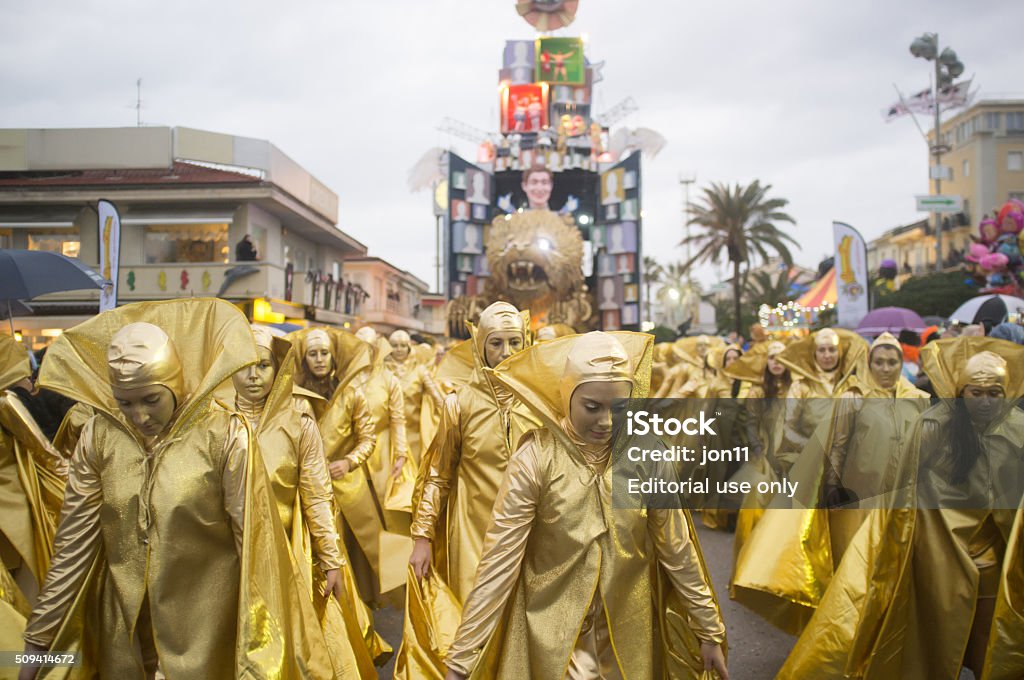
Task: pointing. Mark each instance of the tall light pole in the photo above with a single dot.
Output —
(686, 181)
(947, 68)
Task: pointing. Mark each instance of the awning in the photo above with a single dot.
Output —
(822, 292)
(162, 216)
(43, 217)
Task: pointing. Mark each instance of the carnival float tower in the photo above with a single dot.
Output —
(548, 214)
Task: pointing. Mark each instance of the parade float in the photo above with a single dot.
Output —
(547, 216)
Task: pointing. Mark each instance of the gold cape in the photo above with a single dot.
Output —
(417, 383)
(889, 612)
(386, 401)
(460, 474)
(537, 580)
(347, 428)
(785, 562)
(291, 447)
(95, 591)
(32, 476)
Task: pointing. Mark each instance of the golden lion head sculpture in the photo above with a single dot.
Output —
(535, 257)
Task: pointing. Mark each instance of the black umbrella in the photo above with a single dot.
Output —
(25, 274)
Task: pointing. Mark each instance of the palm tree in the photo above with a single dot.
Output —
(762, 289)
(739, 221)
(653, 273)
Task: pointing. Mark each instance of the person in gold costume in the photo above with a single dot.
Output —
(933, 581)
(769, 381)
(692, 375)
(290, 445)
(387, 408)
(870, 429)
(481, 424)
(820, 365)
(569, 586)
(169, 557)
(416, 382)
(722, 398)
(332, 360)
(785, 562)
(32, 476)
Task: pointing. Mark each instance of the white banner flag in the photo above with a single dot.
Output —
(851, 275)
(950, 97)
(110, 252)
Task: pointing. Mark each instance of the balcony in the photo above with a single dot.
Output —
(165, 281)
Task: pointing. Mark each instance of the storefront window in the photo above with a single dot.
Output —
(186, 243)
(6, 238)
(64, 241)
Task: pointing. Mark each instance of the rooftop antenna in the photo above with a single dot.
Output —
(138, 102)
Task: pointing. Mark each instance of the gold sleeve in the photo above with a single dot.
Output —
(362, 426)
(680, 558)
(76, 543)
(317, 496)
(794, 415)
(843, 423)
(396, 409)
(236, 453)
(504, 548)
(438, 468)
(431, 388)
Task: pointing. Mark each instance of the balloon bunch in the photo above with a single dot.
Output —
(994, 259)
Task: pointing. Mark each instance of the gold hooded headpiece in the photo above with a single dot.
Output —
(351, 355)
(799, 356)
(536, 374)
(14, 363)
(750, 367)
(211, 337)
(954, 363)
(399, 336)
(886, 339)
(142, 354)
(497, 317)
(594, 357)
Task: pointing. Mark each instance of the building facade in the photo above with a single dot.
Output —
(186, 199)
(984, 158)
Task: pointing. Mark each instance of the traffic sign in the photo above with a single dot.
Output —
(940, 203)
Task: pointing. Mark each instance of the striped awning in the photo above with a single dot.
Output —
(822, 292)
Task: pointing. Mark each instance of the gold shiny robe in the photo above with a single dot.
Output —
(419, 394)
(292, 450)
(460, 476)
(387, 408)
(786, 562)
(347, 429)
(891, 611)
(460, 473)
(555, 545)
(557, 554)
(179, 529)
(870, 430)
(32, 477)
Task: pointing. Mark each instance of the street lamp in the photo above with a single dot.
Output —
(947, 68)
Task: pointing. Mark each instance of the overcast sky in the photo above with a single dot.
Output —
(786, 92)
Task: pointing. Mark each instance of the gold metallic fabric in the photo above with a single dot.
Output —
(14, 363)
(555, 547)
(385, 400)
(460, 474)
(421, 398)
(947, 364)
(140, 355)
(889, 611)
(184, 530)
